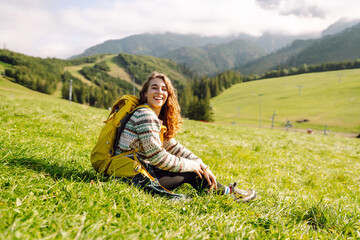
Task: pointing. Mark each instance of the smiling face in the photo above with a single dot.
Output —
(156, 94)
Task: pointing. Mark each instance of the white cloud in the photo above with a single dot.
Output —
(61, 29)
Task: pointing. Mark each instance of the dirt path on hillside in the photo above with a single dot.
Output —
(116, 71)
(75, 71)
(317, 132)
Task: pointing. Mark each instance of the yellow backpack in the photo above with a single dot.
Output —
(102, 155)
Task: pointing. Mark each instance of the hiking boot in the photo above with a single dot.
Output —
(241, 195)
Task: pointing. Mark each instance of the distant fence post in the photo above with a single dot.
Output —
(272, 120)
(300, 86)
(340, 76)
(288, 125)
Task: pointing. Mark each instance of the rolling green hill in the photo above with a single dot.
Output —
(75, 69)
(97, 80)
(141, 66)
(39, 74)
(328, 98)
(213, 58)
(307, 185)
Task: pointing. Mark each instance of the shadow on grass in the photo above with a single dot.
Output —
(57, 171)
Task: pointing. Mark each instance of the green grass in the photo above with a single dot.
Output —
(324, 100)
(308, 185)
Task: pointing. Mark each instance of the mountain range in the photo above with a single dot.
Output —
(196, 52)
(250, 55)
(151, 44)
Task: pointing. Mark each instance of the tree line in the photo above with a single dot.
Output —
(195, 98)
(304, 68)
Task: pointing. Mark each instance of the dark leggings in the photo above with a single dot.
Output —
(171, 180)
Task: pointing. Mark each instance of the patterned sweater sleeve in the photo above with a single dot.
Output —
(175, 148)
(147, 126)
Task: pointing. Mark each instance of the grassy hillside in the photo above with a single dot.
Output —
(117, 71)
(75, 69)
(127, 66)
(140, 68)
(324, 100)
(39, 74)
(48, 189)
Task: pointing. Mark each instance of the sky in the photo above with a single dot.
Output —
(63, 28)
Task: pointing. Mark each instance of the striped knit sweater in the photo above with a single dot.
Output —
(142, 131)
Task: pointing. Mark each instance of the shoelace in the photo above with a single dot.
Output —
(237, 190)
(242, 192)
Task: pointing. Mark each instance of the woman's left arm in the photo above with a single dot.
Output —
(175, 148)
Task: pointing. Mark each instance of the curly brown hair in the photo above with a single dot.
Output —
(170, 111)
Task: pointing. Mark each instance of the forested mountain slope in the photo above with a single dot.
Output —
(213, 58)
(343, 46)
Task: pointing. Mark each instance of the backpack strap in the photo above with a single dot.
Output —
(123, 122)
(138, 167)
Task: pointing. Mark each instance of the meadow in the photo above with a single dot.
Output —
(307, 185)
(326, 98)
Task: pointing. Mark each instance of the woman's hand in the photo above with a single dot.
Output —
(199, 170)
(209, 176)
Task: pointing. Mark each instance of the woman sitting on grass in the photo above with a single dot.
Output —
(170, 163)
